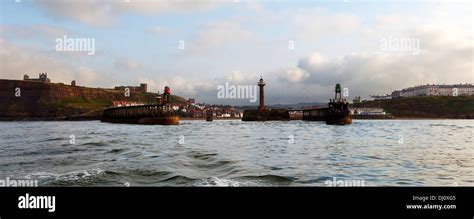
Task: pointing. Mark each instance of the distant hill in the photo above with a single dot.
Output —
(461, 107)
(296, 106)
(51, 100)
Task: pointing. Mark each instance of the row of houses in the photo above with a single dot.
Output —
(367, 111)
(200, 111)
(435, 90)
(425, 90)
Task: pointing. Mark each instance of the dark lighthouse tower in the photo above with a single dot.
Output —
(262, 114)
(261, 107)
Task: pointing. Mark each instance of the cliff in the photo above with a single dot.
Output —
(461, 107)
(50, 100)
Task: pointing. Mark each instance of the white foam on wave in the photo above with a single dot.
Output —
(69, 176)
(218, 182)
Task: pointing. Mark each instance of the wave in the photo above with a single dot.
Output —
(203, 156)
(177, 180)
(117, 150)
(450, 125)
(148, 173)
(246, 181)
(218, 182)
(103, 143)
(99, 143)
(274, 179)
(83, 177)
(221, 164)
(55, 139)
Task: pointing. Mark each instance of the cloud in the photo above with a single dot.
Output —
(313, 62)
(159, 31)
(237, 77)
(100, 12)
(445, 57)
(156, 7)
(294, 75)
(179, 85)
(93, 12)
(316, 22)
(42, 31)
(440, 61)
(216, 35)
(243, 42)
(127, 64)
(15, 61)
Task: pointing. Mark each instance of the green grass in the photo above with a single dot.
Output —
(428, 106)
(81, 103)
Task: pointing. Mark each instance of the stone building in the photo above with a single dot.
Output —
(43, 77)
(142, 88)
(435, 90)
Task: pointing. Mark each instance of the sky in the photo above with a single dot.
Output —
(301, 48)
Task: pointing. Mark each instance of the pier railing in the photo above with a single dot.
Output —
(135, 111)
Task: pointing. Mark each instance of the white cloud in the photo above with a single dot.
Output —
(15, 61)
(154, 7)
(127, 64)
(445, 58)
(42, 31)
(159, 31)
(100, 12)
(215, 35)
(93, 12)
(316, 22)
(313, 62)
(294, 75)
(378, 72)
(179, 85)
(237, 76)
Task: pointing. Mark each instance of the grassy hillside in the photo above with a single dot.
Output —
(39, 100)
(461, 107)
(84, 106)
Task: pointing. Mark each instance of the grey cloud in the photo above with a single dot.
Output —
(100, 12)
(127, 64)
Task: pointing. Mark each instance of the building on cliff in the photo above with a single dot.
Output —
(380, 97)
(435, 90)
(142, 88)
(43, 77)
(57, 100)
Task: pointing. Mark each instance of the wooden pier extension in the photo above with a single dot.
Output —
(144, 114)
